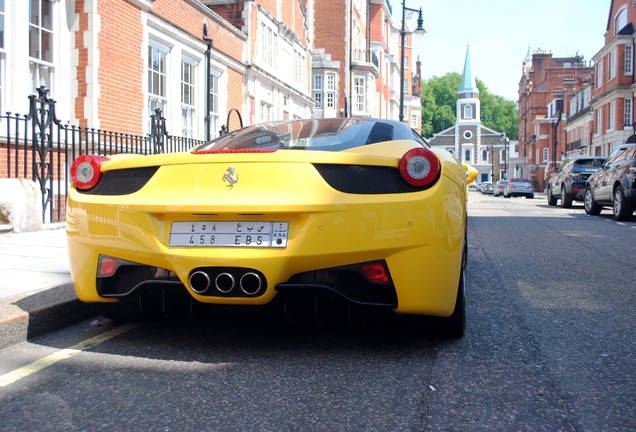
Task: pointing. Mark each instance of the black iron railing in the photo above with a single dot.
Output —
(37, 146)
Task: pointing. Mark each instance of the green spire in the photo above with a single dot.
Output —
(468, 84)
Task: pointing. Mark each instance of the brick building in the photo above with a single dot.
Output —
(613, 89)
(357, 61)
(277, 56)
(109, 63)
(569, 107)
(546, 86)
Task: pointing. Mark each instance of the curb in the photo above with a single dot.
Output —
(26, 316)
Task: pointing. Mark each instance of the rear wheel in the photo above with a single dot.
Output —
(591, 207)
(454, 326)
(552, 200)
(622, 209)
(566, 200)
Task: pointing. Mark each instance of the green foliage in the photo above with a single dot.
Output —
(439, 105)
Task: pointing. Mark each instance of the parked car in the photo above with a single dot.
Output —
(314, 209)
(519, 187)
(473, 187)
(568, 183)
(499, 188)
(486, 188)
(614, 184)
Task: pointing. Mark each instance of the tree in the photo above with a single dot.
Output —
(439, 106)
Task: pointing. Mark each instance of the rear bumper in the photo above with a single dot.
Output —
(420, 240)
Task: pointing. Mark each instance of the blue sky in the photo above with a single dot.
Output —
(500, 32)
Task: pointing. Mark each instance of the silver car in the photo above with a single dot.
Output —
(519, 187)
(499, 188)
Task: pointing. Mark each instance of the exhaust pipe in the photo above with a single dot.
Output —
(224, 282)
(251, 283)
(200, 282)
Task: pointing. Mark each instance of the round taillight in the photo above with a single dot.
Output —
(85, 171)
(419, 167)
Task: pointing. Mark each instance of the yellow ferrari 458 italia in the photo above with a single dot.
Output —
(357, 209)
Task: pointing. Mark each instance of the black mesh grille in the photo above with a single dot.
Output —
(364, 179)
(123, 181)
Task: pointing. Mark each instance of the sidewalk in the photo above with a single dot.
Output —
(36, 291)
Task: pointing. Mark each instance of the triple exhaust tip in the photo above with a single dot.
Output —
(250, 282)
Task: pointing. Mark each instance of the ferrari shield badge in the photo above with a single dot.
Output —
(230, 177)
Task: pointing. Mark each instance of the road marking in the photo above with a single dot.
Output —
(44, 362)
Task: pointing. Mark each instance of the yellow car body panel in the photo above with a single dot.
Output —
(420, 234)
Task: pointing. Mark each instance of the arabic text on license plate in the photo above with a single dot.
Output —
(229, 234)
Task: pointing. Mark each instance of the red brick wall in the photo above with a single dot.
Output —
(330, 18)
(122, 52)
(121, 69)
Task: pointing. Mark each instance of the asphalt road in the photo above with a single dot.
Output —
(549, 346)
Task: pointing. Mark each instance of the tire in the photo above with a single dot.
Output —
(623, 210)
(454, 326)
(552, 200)
(530, 196)
(566, 200)
(591, 207)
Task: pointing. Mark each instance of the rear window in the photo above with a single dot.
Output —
(589, 163)
(313, 134)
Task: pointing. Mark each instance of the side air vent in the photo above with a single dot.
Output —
(364, 179)
(123, 181)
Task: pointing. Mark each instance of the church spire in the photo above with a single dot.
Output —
(468, 85)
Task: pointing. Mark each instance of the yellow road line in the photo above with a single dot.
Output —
(44, 362)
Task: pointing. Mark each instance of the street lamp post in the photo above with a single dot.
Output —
(506, 141)
(418, 30)
(492, 164)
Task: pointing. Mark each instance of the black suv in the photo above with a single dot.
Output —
(614, 185)
(568, 183)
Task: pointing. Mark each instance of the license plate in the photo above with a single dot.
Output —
(229, 234)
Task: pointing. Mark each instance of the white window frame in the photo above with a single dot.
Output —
(267, 111)
(502, 156)
(620, 19)
(467, 154)
(330, 84)
(414, 120)
(546, 154)
(268, 45)
(629, 60)
(215, 103)
(317, 83)
(599, 121)
(330, 90)
(187, 95)
(157, 78)
(359, 94)
(318, 99)
(330, 99)
(599, 74)
(42, 66)
(468, 111)
(628, 112)
(612, 116)
(484, 155)
(611, 63)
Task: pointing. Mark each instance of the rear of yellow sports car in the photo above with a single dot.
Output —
(243, 227)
